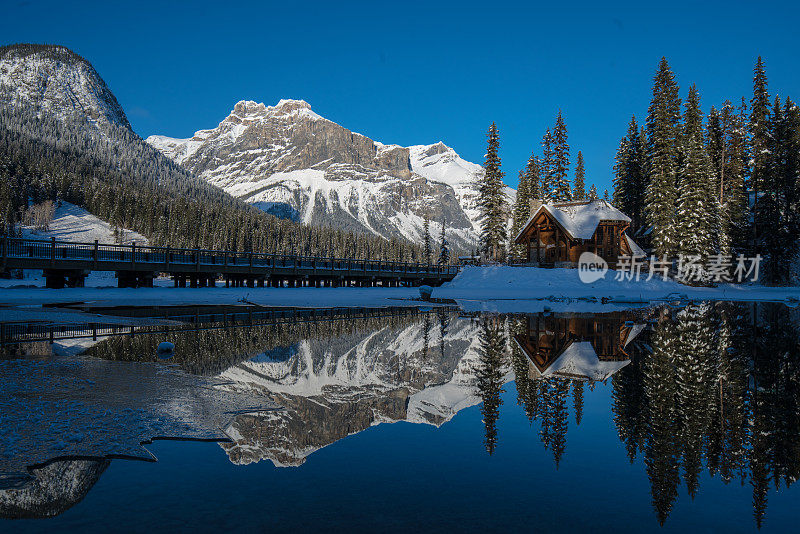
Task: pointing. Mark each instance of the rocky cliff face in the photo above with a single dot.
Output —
(291, 162)
(56, 81)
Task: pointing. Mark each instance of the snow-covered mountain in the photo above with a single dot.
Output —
(290, 161)
(58, 82)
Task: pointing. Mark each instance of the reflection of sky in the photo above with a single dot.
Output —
(419, 478)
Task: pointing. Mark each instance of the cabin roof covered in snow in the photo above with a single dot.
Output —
(579, 360)
(579, 219)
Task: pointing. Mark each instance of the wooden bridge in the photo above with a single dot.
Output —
(65, 263)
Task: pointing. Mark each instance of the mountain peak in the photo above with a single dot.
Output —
(285, 107)
(56, 79)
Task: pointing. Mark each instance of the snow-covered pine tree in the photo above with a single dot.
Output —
(562, 192)
(492, 200)
(759, 128)
(606, 196)
(779, 202)
(444, 247)
(546, 165)
(725, 145)
(579, 185)
(696, 220)
(593, 192)
(426, 236)
(522, 208)
(663, 140)
(533, 178)
(630, 180)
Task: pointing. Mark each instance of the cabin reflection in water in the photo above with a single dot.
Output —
(577, 346)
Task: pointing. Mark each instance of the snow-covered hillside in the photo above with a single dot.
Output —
(76, 225)
(290, 161)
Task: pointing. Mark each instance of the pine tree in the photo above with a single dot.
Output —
(489, 378)
(593, 193)
(426, 230)
(759, 129)
(533, 178)
(579, 185)
(546, 166)
(606, 196)
(444, 247)
(522, 208)
(726, 148)
(562, 191)
(630, 175)
(696, 219)
(491, 200)
(663, 141)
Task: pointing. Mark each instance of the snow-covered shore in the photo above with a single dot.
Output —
(531, 283)
(475, 288)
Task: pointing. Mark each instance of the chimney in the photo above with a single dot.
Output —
(535, 205)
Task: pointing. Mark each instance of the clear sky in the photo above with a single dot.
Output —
(420, 72)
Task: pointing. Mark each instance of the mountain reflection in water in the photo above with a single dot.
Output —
(707, 387)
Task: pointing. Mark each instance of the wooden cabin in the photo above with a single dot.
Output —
(558, 233)
(583, 347)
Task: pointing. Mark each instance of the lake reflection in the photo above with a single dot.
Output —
(697, 392)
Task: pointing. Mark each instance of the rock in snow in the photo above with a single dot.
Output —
(291, 162)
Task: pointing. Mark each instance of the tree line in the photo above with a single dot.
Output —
(726, 182)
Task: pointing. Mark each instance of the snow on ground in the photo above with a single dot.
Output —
(76, 225)
(502, 282)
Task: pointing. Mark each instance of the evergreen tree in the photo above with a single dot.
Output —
(533, 178)
(577, 400)
(489, 378)
(522, 208)
(579, 185)
(444, 247)
(630, 175)
(593, 193)
(663, 141)
(606, 196)
(546, 167)
(491, 200)
(696, 219)
(726, 148)
(426, 231)
(562, 191)
(759, 129)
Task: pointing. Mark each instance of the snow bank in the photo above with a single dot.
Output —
(502, 282)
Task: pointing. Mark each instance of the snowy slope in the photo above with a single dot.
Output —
(76, 225)
(290, 161)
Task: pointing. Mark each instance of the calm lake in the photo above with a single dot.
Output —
(670, 417)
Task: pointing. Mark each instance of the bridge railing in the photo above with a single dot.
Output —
(96, 252)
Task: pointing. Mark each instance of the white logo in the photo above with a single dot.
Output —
(591, 267)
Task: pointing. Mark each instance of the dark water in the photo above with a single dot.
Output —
(682, 418)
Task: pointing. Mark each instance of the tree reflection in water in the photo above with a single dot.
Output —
(712, 386)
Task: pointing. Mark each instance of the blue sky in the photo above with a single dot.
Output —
(413, 73)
